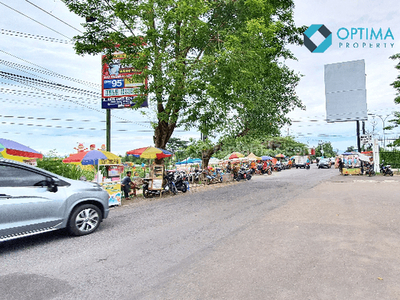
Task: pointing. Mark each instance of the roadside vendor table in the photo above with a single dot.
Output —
(351, 171)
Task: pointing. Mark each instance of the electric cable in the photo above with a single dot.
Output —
(33, 36)
(53, 16)
(49, 84)
(35, 20)
(55, 74)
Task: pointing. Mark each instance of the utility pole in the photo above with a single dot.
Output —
(108, 130)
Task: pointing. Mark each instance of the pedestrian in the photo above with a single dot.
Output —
(340, 166)
(126, 184)
(229, 167)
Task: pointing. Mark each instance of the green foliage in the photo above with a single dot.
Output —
(327, 149)
(54, 164)
(350, 149)
(213, 65)
(390, 158)
(197, 147)
(395, 122)
(260, 146)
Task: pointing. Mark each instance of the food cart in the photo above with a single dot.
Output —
(112, 182)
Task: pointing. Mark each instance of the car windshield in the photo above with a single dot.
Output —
(323, 161)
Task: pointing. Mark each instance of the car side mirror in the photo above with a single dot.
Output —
(52, 184)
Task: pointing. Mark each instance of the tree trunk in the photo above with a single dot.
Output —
(162, 133)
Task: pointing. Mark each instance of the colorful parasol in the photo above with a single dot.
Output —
(280, 155)
(266, 157)
(16, 149)
(150, 153)
(235, 155)
(93, 157)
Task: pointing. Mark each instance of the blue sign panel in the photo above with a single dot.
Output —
(121, 102)
(113, 83)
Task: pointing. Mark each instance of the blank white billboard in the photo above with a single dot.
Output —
(345, 91)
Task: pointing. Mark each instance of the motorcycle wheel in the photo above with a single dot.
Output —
(184, 188)
(173, 189)
(391, 173)
(147, 193)
(248, 177)
(269, 172)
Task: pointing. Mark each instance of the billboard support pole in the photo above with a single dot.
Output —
(358, 136)
(108, 130)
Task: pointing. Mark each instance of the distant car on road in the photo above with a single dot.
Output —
(324, 163)
(35, 201)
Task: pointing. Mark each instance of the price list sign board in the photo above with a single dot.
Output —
(121, 83)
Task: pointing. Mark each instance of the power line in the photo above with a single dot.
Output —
(53, 16)
(34, 20)
(49, 84)
(33, 36)
(55, 74)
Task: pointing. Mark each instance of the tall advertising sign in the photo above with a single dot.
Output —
(120, 83)
(345, 92)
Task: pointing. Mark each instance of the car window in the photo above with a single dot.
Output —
(11, 176)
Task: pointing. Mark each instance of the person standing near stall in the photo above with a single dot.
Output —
(126, 185)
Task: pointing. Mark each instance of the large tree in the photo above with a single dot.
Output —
(211, 64)
(396, 84)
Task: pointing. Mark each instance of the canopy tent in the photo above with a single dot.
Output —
(252, 156)
(189, 161)
(214, 161)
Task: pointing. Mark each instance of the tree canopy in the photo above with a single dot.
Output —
(325, 149)
(262, 145)
(213, 65)
(396, 84)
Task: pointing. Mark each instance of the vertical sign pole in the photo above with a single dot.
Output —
(358, 136)
(108, 130)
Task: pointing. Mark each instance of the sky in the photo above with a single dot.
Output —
(35, 43)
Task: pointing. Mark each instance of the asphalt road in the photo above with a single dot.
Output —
(297, 234)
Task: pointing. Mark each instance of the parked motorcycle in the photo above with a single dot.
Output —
(386, 170)
(168, 187)
(181, 181)
(243, 173)
(369, 169)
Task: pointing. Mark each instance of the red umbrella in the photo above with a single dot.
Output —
(235, 155)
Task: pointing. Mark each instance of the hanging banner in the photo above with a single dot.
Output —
(121, 83)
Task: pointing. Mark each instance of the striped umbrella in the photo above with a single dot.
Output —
(150, 153)
(17, 149)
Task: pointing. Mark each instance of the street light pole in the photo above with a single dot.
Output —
(383, 126)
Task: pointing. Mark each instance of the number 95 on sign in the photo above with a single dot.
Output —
(113, 83)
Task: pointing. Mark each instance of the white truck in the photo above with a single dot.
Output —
(301, 162)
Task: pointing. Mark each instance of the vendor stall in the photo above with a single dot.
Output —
(112, 182)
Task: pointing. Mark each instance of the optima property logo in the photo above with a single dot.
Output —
(318, 38)
(312, 31)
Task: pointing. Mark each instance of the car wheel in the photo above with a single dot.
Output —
(84, 219)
